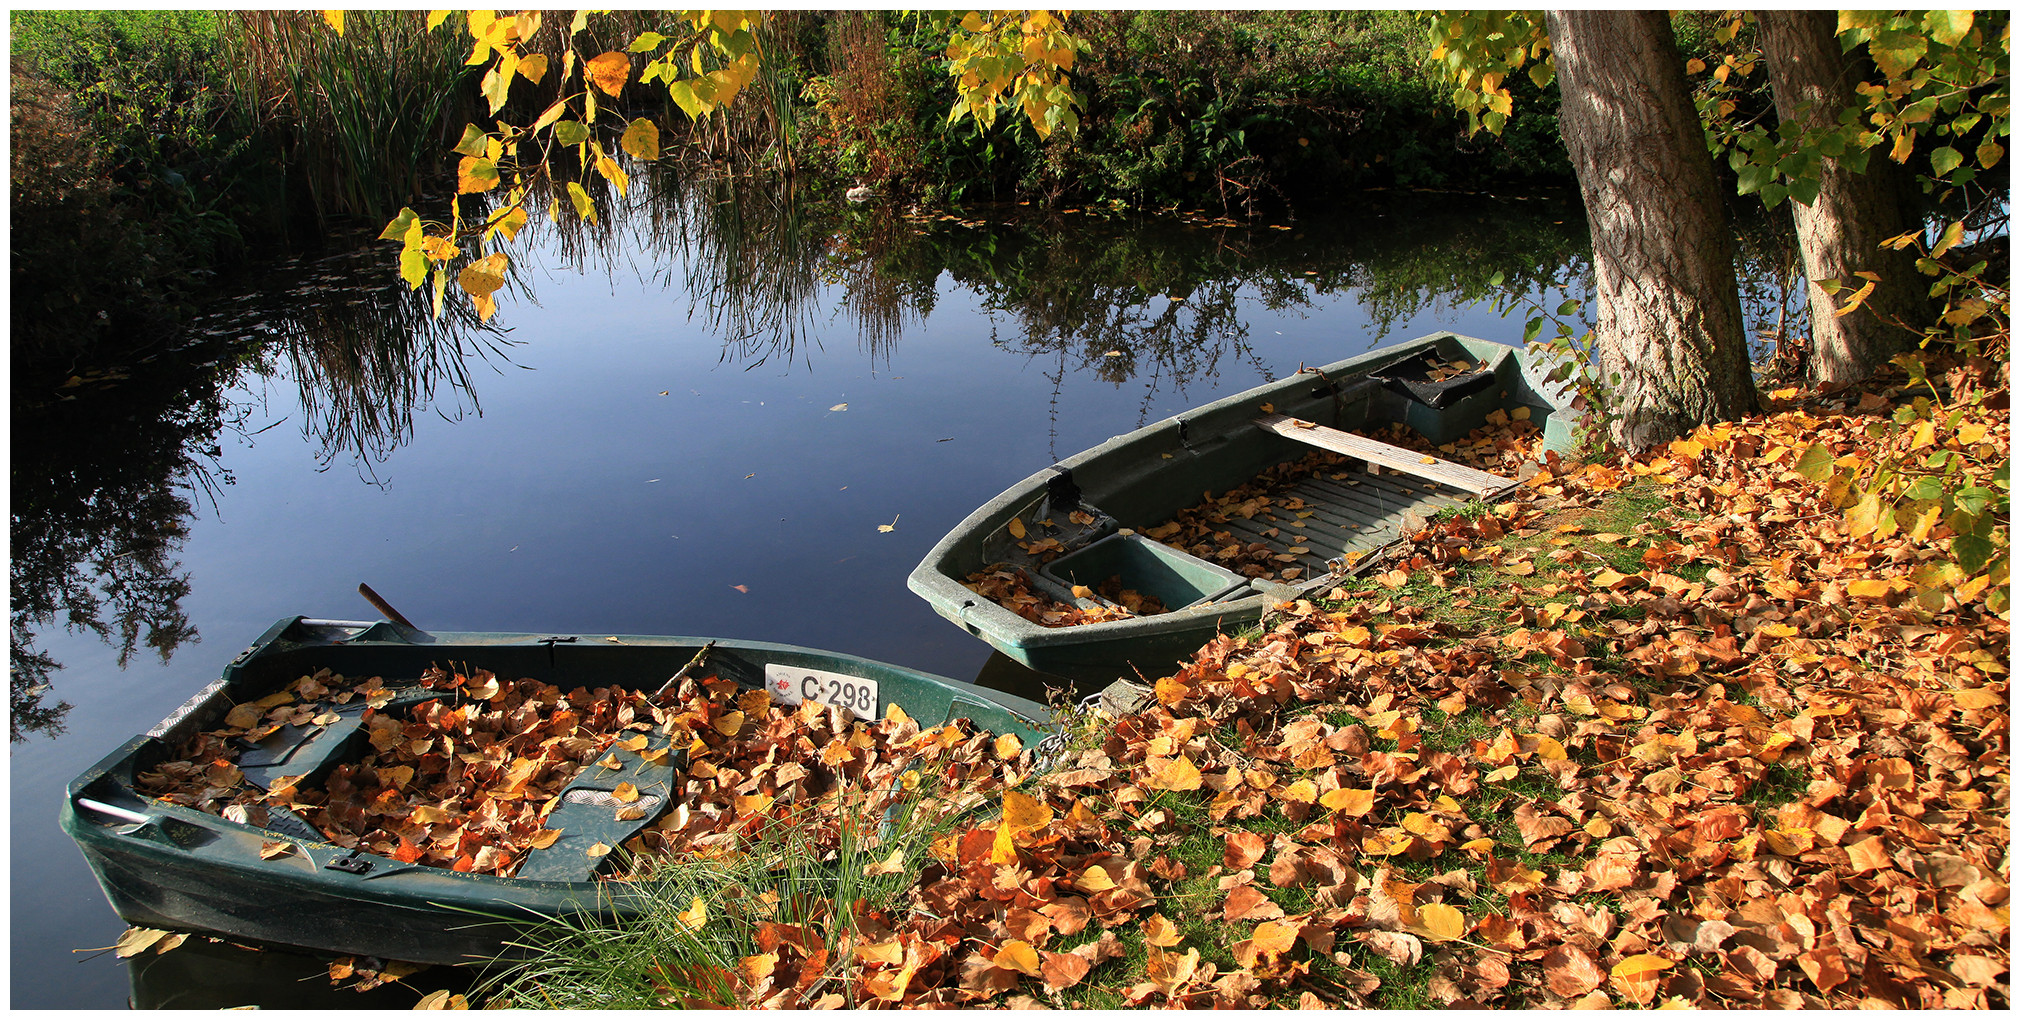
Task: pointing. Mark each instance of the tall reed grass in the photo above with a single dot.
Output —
(367, 117)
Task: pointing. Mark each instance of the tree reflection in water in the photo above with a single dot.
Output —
(109, 469)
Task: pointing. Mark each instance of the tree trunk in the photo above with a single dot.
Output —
(1840, 233)
(1662, 250)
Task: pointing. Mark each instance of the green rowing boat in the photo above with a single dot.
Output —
(166, 865)
(1070, 527)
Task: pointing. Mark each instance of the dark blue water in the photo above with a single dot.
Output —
(640, 460)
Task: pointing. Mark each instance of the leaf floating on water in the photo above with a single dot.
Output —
(442, 998)
(843, 406)
(742, 588)
(893, 526)
(135, 941)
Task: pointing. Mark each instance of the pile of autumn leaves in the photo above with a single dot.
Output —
(1750, 773)
(467, 780)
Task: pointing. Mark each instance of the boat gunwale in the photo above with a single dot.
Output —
(935, 579)
(232, 851)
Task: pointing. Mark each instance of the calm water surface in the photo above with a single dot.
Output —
(693, 421)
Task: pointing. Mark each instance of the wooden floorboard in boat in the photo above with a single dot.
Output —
(1340, 511)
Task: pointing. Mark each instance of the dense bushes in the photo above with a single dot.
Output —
(1184, 108)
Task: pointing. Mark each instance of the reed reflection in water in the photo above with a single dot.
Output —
(1164, 303)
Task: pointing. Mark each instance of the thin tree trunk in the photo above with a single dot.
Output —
(1840, 233)
(1662, 251)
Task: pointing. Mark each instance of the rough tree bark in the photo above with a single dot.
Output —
(1669, 318)
(1840, 233)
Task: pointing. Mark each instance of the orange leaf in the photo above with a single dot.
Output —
(1274, 938)
(544, 838)
(1007, 746)
(626, 792)
(1570, 973)
(1243, 849)
(1248, 903)
(1159, 931)
(608, 71)
(1441, 922)
(1064, 970)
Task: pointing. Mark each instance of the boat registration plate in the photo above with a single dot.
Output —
(792, 685)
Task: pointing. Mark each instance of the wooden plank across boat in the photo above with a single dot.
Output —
(163, 865)
(1134, 482)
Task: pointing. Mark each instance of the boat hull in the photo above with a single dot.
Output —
(1143, 478)
(163, 865)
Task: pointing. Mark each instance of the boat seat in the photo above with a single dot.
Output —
(311, 750)
(586, 812)
(1395, 458)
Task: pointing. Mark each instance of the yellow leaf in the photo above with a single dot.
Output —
(641, 139)
(474, 175)
(1304, 791)
(608, 71)
(1178, 774)
(1024, 813)
(1645, 963)
(694, 916)
(598, 849)
(1007, 747)
(1442, 922)
(271, 849)
(1020, 956)
(1159, 931)
(544, 838)
(889, 953)
(1870, 588)
(728, 723)
(533, 68)
(1094, 880)
(888, 866)
(1017, 527)
(1352, 803)
(334, 19)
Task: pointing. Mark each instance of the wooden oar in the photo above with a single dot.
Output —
(383, 607)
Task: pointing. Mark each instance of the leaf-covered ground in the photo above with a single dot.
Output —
(1660, 732)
